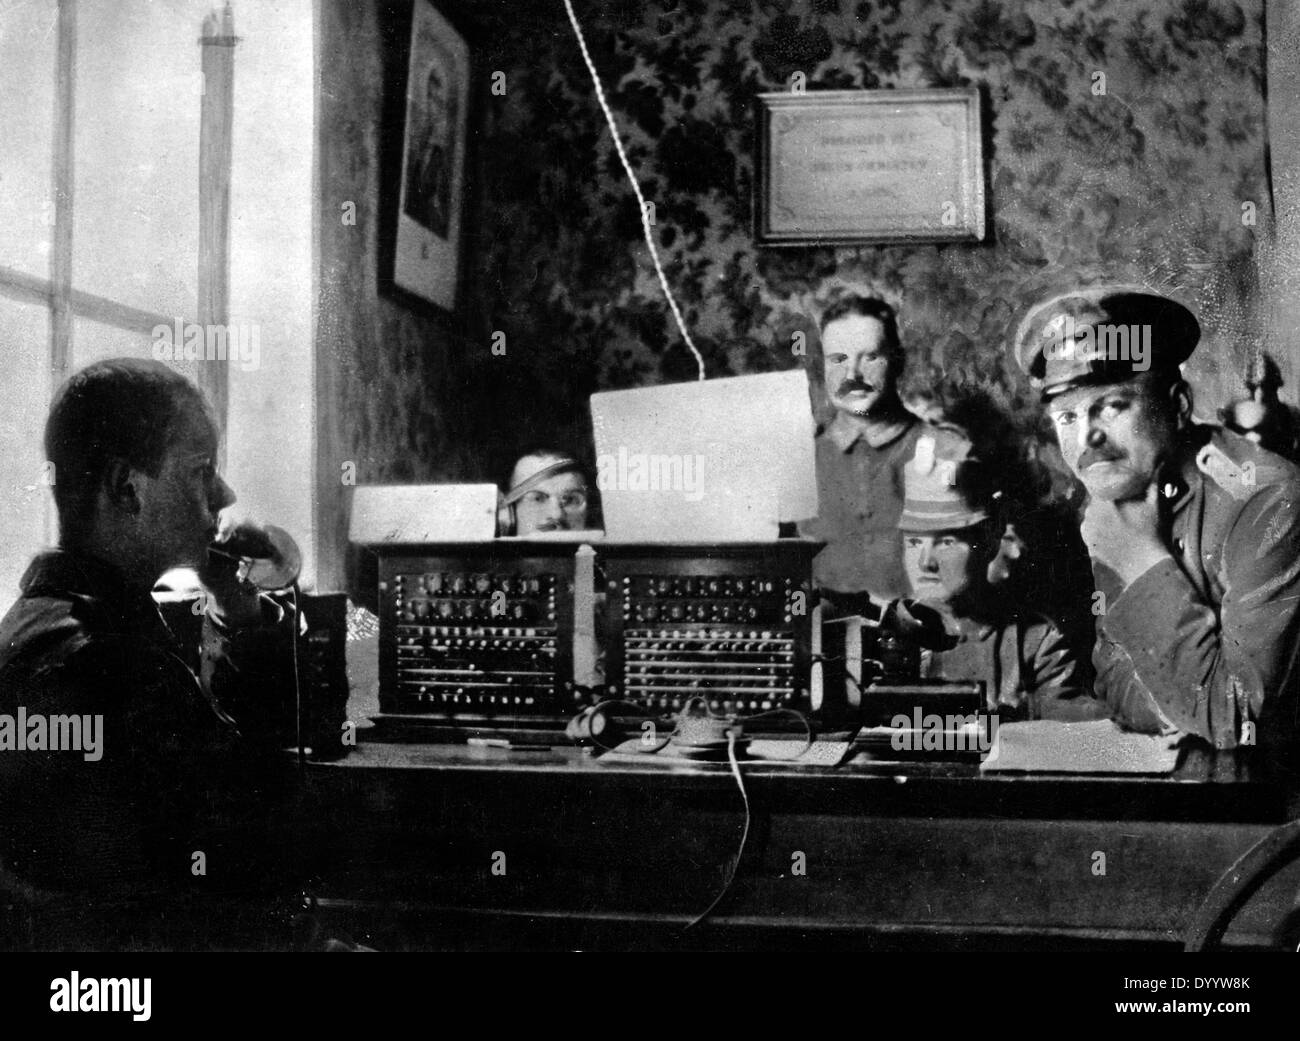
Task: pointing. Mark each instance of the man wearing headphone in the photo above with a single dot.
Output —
(547, 491)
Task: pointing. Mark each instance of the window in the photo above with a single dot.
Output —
(101, 211)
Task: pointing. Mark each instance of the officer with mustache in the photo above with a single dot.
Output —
(1194, 532)
(861, 451)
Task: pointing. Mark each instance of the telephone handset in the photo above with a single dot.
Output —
(268, 556)
(270, 560)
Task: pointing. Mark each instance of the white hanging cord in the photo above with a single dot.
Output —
(645, 220)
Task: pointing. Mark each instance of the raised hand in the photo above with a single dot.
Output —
(1124, 534)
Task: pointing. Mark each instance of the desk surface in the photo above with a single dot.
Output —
(921, 850)
(899, 853)
(1206, 786)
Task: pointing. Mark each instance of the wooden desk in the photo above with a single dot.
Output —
(927, 854)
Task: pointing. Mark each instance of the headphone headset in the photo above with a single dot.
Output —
(507, 518)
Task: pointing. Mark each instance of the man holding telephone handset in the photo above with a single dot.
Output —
(193, 717)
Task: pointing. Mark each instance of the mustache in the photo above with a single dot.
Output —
(1101, 454)
(851, 384)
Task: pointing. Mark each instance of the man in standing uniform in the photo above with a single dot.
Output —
(1194, 532)
(861, 452)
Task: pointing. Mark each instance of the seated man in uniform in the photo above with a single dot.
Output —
(950, 552)
(1194, 532)
(547, 491)
(191, 716)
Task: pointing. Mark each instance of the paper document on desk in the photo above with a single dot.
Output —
(1098, 747)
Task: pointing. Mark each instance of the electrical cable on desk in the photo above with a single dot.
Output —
(744, 835)
(732, 733)
(734, 763)
(809, 741)
(584, 725)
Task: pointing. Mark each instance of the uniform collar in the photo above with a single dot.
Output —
(1180, 474)
(844, 432)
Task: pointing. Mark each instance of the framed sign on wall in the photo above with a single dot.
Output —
(430, 196)
(869, 166)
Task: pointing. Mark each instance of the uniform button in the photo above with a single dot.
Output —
(1179, 544)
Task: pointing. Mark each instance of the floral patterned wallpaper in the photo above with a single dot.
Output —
(1144, 183)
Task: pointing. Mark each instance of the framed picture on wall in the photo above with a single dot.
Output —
(431, 191)
(869, 166)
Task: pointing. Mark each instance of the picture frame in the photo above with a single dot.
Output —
(865, 167)
(428, 199)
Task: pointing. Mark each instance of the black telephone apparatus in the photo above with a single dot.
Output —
(876, 661)
(270, 560)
